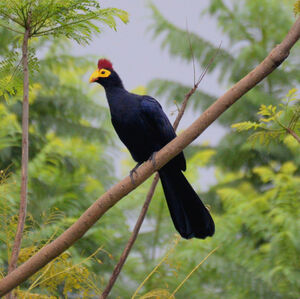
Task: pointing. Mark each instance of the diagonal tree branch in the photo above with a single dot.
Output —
(114, 194)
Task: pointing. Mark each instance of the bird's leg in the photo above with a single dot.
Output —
(133, 170)
(152, 159)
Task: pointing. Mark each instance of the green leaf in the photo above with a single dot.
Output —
(265, 173)
(247, 125)
(297, 7)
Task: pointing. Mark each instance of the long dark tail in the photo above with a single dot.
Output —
(190, 217)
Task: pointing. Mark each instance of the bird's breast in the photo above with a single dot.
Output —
(135, 134)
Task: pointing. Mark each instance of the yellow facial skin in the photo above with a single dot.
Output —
(103, 73)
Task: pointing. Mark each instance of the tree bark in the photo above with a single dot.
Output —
(114, 194)
(24, 170)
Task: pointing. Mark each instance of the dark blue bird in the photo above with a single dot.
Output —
(144, 128)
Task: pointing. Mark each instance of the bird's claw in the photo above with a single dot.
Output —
(152, 159)
(133, 171)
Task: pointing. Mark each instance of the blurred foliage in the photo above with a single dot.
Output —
(275, 124)
(297, 7)
(63, 275)
(251, 29)
(257, 232)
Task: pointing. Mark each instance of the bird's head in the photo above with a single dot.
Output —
(105, 75)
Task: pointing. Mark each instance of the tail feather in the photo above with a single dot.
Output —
(190, 217)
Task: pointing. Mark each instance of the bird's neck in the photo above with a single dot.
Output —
(114, 83)
(115, 97)
(112, 89)
(114, 92)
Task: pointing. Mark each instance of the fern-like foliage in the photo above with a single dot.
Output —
(9, 131)
(247, 125)
(11, 72)
(176, 40)
(297, 8)
(262, 226)
(11, 75)
(273, 125)
(61, 277)
(73, 19)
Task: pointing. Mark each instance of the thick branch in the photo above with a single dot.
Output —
(113, 195)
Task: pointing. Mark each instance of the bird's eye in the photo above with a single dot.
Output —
(103, 73)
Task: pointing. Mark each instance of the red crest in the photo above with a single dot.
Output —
(104, 64)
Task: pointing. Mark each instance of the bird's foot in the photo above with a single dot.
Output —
(152, 159)
(133, 171)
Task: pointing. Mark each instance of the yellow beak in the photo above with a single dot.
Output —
(95, 75)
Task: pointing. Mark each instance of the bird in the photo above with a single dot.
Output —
(144, 128)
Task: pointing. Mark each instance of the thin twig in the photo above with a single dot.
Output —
(293, 133)
(210, 62)
(12, 19)
(37, 282)
(11, 29)
(150, 194)
(50, 30)
(189, 275)
(131, 240)
(157, 227)
(176, 241)
(192, 51)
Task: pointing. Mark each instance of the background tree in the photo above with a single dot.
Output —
(77, 20)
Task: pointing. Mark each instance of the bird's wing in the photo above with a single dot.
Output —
(159, 122)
